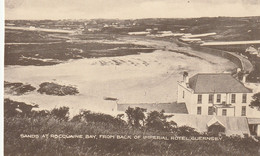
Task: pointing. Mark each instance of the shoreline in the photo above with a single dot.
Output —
(152, 78)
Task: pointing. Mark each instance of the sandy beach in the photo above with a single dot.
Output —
(143, 78)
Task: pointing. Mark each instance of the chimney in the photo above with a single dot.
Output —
(238, 70)
(185, 77)
(244, 78)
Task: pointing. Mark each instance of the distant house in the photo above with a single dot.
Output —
(251, 50)
(214, 94)
(191, 40)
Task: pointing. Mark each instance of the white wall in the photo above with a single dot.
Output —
(230, 111)
(191, 101)
(188, 97)
(258, 130)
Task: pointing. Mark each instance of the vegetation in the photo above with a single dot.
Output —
(135, 116)
(59, 50)
(256, 101)
(61, 113)
(34, 132)
(14, 108)
(158, 121)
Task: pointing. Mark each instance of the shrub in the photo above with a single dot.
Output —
(61, 113)
(88, 116)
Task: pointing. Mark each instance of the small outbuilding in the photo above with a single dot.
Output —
(214, 124)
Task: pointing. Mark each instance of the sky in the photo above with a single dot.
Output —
(128, 9)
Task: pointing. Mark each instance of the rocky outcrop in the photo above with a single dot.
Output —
(51, 88)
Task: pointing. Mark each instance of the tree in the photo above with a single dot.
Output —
(130, 115)
(135, 116)
(256, 101)
(158, 121)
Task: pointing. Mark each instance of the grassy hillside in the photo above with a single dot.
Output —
(19, 126)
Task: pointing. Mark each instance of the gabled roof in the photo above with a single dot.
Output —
(253, 120)
(216, 83)
(233, 125)
(214, 121)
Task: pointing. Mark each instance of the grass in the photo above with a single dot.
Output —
(49, 125)
(55, 53)
(55, 122)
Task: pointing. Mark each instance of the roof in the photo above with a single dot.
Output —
(251, 50)
(216, 83)
(233, 125)
(254, 121)
(167, 107)
(213, 121)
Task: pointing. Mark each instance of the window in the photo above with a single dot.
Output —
(244, 98)
(218, 98)
(224, 112)
(199, 110)
(243, 113)
(183, 94)
(233, 98)
(200, 98)
(210, 110)
(210, 98)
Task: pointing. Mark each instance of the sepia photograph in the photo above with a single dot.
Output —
(131, 77)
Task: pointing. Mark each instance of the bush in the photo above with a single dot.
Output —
(187, 131)
(88, 116)
(13, 108)
(61, 113)
(86, 122)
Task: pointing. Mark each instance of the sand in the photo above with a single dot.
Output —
(144, 78)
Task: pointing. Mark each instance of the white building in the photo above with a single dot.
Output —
(251, 50)
(214, 94)
(221, 97)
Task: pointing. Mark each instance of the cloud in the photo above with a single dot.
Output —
(86, 9)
